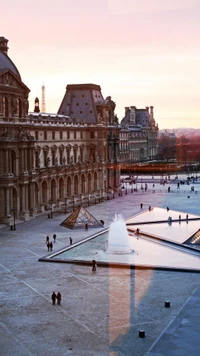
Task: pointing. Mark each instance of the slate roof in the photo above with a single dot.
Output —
(6, 63)
(80, 101)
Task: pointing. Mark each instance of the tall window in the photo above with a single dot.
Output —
(68, 135)
(45, 158)
(81, 135)
(68, 156)
(92, 153)
(75, 155)
(92, 134)
(53, 157)
(61, 157)
(37, 159)
(45, 135)
(81, 154)
(74, 135)
(61, 135)
(36, 135)
(53, 135)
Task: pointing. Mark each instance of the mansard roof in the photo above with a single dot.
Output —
(80, 101)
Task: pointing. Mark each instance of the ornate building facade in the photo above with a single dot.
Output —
(54, 159)
(138, 135)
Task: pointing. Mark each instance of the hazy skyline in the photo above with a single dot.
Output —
(141, 53)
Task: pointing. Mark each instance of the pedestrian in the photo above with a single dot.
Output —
(48, 245)
(70, 241)
(47, 239)
(153, 185)
(149, 207)
(167, 208)
(94, 265)
(86, 227)
(59, 297)
(141, 205)
(51, 245)
(53, 298)
(54, 238)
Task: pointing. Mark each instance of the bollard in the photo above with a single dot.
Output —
(141, 334)
(167, 304)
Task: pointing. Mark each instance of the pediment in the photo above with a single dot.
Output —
(9, 79)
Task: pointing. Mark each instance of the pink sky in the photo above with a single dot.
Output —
(141, 53)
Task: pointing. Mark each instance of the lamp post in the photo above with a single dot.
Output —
(51, 203)
(88, 199)
(126, 188)
(65, 205)
(73, 202)
(81, 199)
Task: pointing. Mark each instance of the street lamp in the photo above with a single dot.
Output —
(14, 211)
(51, 203)
(88, 199)
(73, 201)
(81, 199)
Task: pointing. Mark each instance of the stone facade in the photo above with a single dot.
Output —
(138, 135)
(51, 160)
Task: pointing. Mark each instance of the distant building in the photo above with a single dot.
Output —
(49, 160)
(138, 135)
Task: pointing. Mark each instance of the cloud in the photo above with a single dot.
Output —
(128, 7)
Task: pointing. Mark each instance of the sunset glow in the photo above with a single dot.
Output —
(141, 53)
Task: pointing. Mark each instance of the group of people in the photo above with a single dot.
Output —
(55, 297)
(50, 243)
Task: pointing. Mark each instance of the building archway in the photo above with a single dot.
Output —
(83, 184)
(89, 183)
(69, 187)
(36, 192)
(61, 188)
(53, 190)
(95, 181)
(44, 192)
(76, 185)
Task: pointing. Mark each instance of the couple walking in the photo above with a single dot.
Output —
(56, 296)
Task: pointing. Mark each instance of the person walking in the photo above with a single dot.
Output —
(47, 239)
(51, 245)
(53, 298)
(54, 238)
(86, 227)
(141, 205)
(48, 245)
(94, 265)
(70, 241)
(59, 297)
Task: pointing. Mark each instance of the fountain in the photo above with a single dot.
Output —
(118, 238)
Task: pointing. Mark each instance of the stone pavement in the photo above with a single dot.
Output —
(102, 312)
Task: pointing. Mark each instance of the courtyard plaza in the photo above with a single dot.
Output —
(102, 312)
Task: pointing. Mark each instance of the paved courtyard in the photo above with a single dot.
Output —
(101, 313)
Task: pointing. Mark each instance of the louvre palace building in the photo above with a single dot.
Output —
(54, 160)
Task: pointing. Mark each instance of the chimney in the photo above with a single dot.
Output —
(36, 108)
(126, 109)
(3, 45)
(151, 111)
(147, 108)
